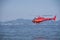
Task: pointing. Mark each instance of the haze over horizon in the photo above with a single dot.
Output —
(28, 9)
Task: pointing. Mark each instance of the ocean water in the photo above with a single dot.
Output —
(29, 32)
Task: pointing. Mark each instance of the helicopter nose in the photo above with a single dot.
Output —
(33, 21)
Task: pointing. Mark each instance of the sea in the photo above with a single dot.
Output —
(29, 32)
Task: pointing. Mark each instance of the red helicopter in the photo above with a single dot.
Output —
(41, 19)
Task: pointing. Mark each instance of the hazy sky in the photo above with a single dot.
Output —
(28, 9)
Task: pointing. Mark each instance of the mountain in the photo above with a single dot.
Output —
(17, 22)
(28, 22)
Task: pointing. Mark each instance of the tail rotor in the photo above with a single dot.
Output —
(54, 18)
